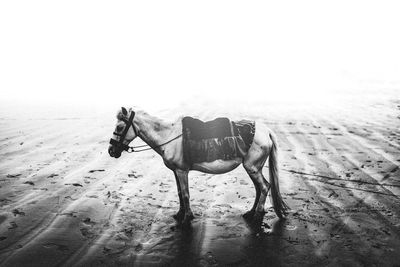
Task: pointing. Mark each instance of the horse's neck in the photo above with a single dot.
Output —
(153, 131)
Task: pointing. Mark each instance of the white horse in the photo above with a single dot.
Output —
(165, 139)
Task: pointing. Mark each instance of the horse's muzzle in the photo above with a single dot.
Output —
(116, 153)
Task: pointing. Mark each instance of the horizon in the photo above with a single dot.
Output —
(76, 53)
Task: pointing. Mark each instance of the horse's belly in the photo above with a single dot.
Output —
(217, 166)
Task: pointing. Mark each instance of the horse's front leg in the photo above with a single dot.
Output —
(179, 215)
(182, 178)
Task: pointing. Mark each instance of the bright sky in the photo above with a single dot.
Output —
(154, 51)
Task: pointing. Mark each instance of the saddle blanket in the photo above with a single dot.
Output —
(216, 139)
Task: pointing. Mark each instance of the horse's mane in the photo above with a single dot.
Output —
(157, 122)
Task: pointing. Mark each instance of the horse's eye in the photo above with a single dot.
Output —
(119, 128)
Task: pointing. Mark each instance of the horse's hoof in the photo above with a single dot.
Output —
(258, 218)
(283, 216)
(248, 215)
(179, 216)
(186, 223)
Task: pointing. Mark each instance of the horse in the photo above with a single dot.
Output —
(166, 140)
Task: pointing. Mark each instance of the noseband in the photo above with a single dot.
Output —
(119, 144)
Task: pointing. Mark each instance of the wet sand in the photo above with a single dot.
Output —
(64, 201)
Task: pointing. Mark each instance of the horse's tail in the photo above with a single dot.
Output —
(279, 205)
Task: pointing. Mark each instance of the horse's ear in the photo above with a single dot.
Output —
(124, 111)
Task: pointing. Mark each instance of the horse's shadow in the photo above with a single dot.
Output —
(229, 241)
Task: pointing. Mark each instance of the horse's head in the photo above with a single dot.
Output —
(123, 134)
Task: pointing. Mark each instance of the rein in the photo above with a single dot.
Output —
(131, 149)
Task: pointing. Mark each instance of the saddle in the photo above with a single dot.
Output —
(216, 139)
(198, 130)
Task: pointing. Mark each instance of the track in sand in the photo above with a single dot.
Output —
(64, 201)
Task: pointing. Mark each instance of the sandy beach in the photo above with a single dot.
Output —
(65, 202)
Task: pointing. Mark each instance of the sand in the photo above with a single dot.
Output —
(64, 201)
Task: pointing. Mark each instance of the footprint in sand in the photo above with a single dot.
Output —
(71, 213)
(88, 221)
(208, 260)
(57, 246)
(100, 170)
(13, 175)
(75, 184)
(86, 228)
(134, 175)
(13, 225)
(138, 247)
(5, 200)
(18, 212)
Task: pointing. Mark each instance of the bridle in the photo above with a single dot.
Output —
(120, 143)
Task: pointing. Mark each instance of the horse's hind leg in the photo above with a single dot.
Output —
(253, 165)
(263, 186)
(250, 213)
